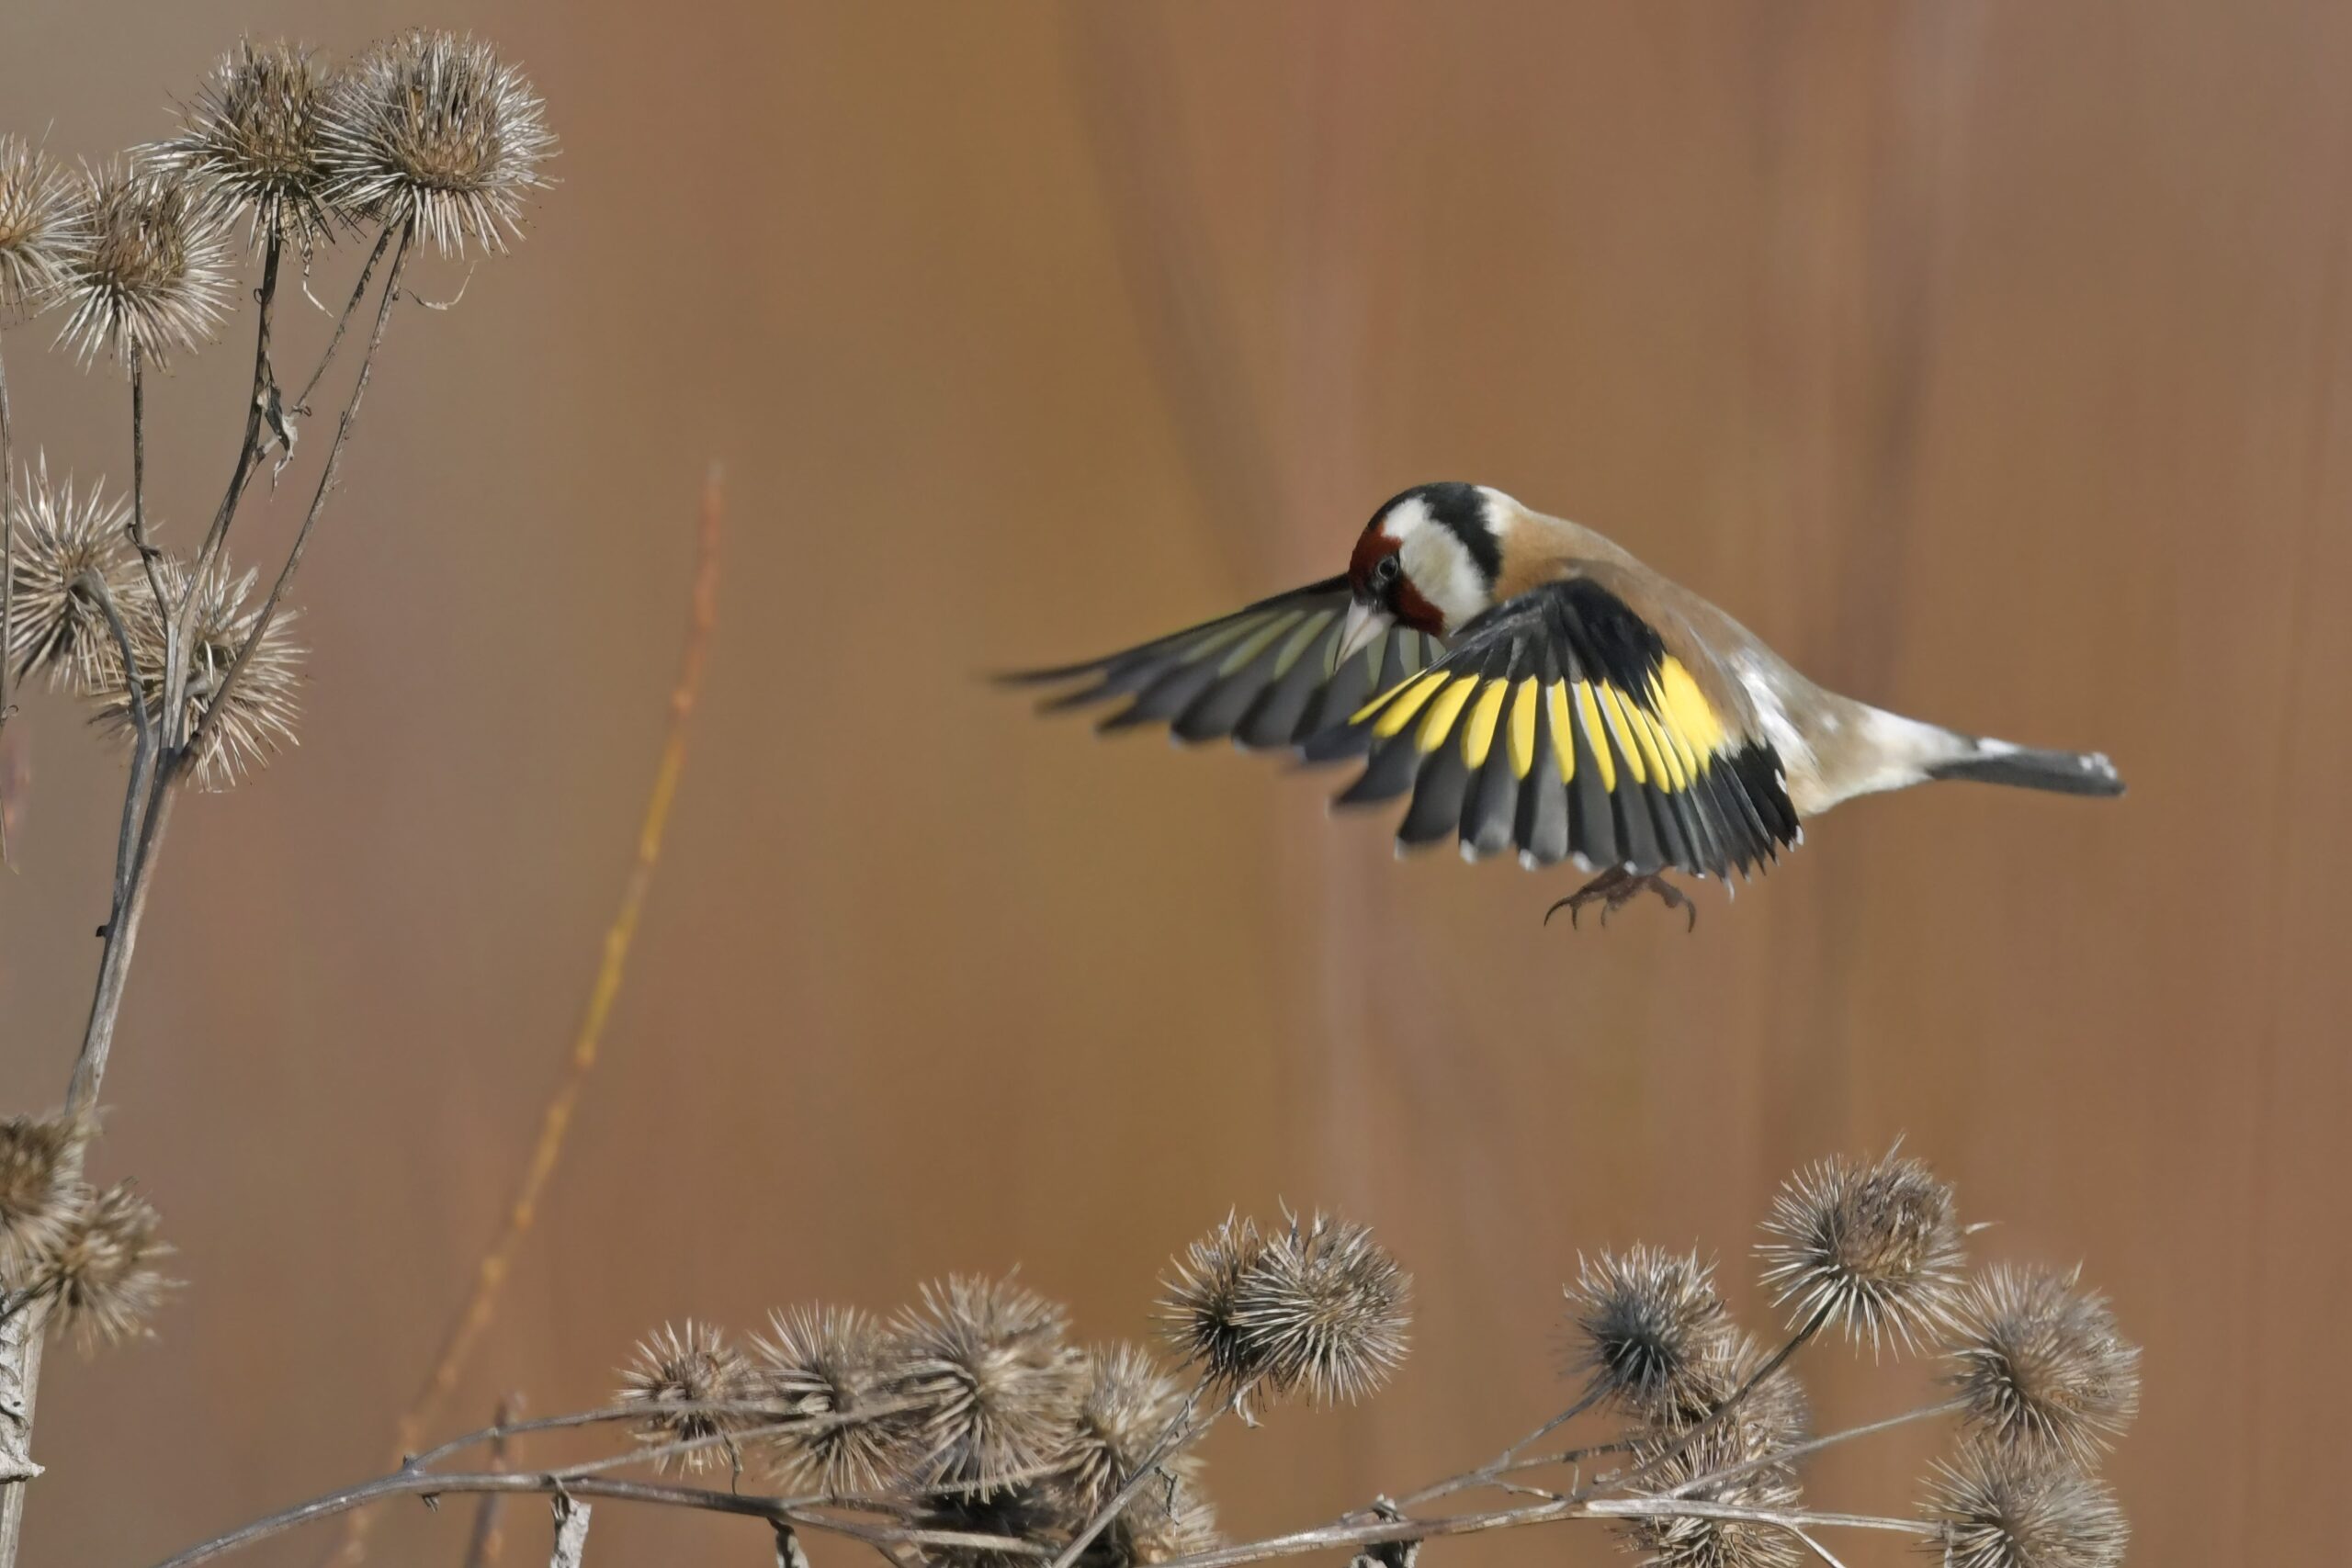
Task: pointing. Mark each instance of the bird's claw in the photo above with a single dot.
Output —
(1616, 887)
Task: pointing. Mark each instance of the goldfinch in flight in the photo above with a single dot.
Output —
(1529, 683)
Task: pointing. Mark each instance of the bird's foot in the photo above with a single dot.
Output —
(1616, 887)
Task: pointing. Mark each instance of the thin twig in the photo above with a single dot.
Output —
(482, 1546)
(228, 688)
(1811, 1446)
(148, 554)
(358, 292)
(1508, 1461)
(602, 1416)
(490, 1277)
(1817, 1549)
(1788, 1520)
(774, 1509)
(142, 750)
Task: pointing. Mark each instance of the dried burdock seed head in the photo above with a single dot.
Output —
(151, 272)
(262, 707)
(675, 1367)
(1646, 1328)
(1328, 1309)
(99, 1274)
(2040, 1365)
(39, 236)
(250, 140)
(1198, 1305)
(38, 1193)
(1773, 1414)
(435, 130)
(1127, 1407)
(1162, 1522)
(829, 1368)
(992, 1387)
(1874, 1248)
(2008, 1509)
(1686, 1541)
(65, 539)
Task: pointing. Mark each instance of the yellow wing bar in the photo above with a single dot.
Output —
(1666, 738)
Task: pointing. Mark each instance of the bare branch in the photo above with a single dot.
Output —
(776, 1510)
(571, 1532)
(228, 688)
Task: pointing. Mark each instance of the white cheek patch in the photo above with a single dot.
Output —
(1442, 571)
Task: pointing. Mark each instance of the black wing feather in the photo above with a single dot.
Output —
(1260, 674)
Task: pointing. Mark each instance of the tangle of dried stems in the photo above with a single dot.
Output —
(968, 1430)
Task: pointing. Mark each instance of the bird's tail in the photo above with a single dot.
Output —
(2029, 767)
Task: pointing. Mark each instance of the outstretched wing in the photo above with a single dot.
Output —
(1261, 675)
(1563, 723)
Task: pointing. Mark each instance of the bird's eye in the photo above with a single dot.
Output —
(1385, 570)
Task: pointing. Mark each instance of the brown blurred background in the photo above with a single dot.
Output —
(1989, 360)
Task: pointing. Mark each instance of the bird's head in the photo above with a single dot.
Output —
(1428, 560)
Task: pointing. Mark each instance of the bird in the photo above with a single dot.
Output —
(1526, 683)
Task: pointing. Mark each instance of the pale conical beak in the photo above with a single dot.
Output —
(1366, 624)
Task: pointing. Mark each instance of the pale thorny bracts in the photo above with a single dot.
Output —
(435, 133)
(1872, 1247)
(38, 234)
(150, 278)
(71, 548)
(1647, 1325)
(38, 1193)
(990, 1384)
(831, 1363)
(1998, 1507)
(2040, 1364)
(678, 1373)
(251, 140)
(97, 1272)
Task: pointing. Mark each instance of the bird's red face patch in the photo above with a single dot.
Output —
(1377, 574)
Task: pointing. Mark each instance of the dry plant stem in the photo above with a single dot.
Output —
(147, 554)
(1817, 1549)
(482, 1545)
(350, 307)
(143, 751)
(497, 1436)
(571, 1532)
(212, 710)
(1354, 1531)
(1181, 1432)
(490, 1277)
(776, 1510)
(1789, 1520)
(257, 413)
(20, 1336)
(1494, 1470)
(1812, 1446)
